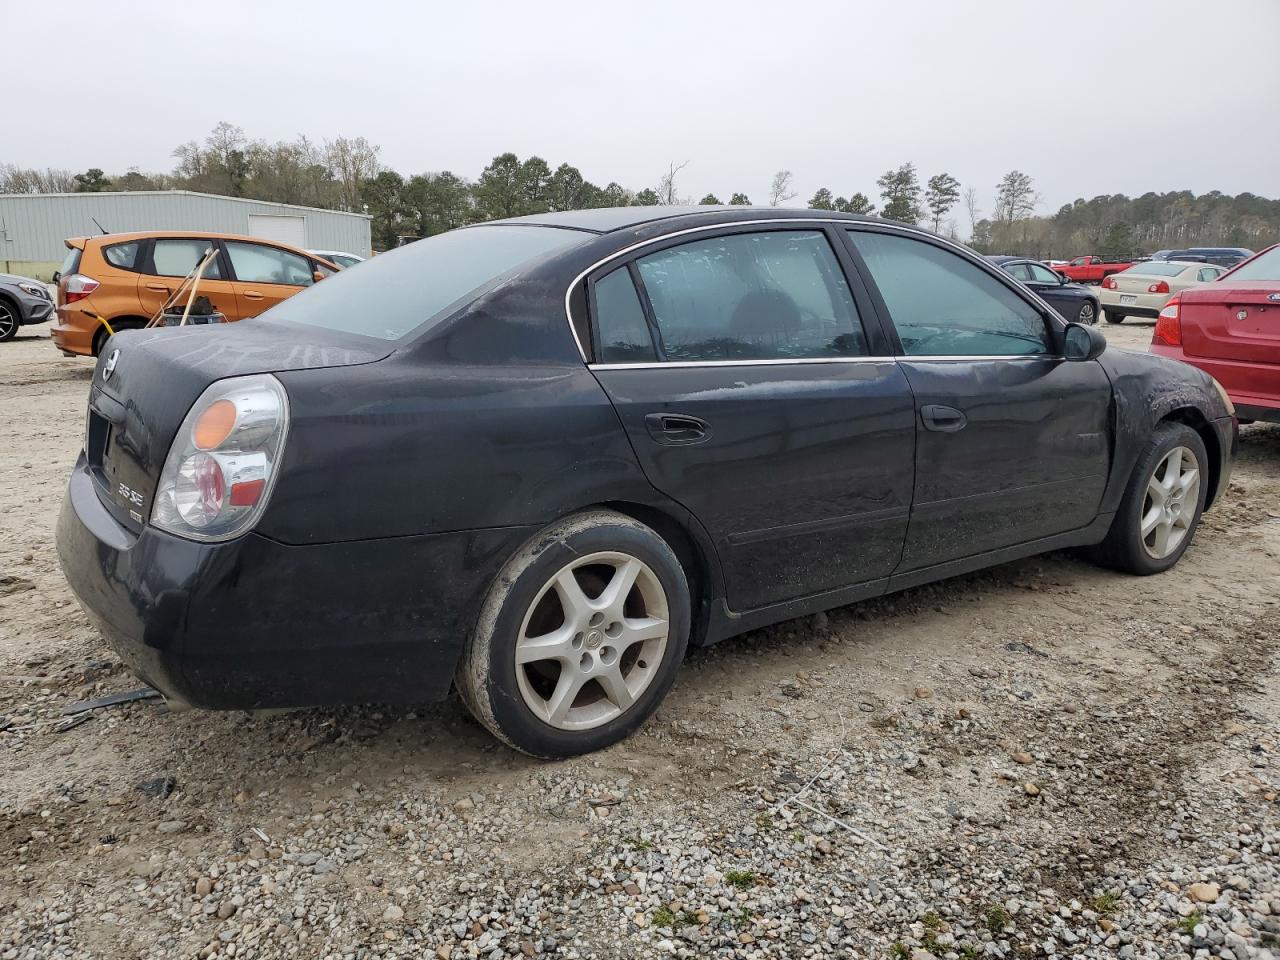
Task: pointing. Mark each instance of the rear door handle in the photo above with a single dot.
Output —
(944, 419)
(251, 294)
(158, 287)
(677, 428)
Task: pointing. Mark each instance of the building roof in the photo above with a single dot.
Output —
(183, 193)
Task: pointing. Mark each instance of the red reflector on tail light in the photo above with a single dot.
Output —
(1160, 287)
(246, 494)
(1169, 325)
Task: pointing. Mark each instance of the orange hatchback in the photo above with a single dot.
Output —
(127, 277)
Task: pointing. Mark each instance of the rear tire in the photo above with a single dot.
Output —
(556, 667)
(1162, 503)
(1113, 317)
(123, 323)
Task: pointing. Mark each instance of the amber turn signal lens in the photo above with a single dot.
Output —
(214, 425)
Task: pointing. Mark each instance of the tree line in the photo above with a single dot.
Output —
(346, 174)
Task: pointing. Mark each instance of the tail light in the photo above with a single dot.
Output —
(79, 286)
(1158, 287)
(1110, 284)
(218, 475)
(1168, 325)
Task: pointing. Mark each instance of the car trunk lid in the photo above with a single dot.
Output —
(1136, 283)
(1232, 321)
(146, 381)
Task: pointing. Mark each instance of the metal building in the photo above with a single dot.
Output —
(33, 226)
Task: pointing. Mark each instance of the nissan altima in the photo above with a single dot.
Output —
(536, 459)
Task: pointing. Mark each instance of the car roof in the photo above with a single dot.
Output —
(609, 219)
(105, 238)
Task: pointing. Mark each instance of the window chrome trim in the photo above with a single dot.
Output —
(785, 361)
(884, 225)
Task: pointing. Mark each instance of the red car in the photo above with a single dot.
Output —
(1230, 329)
(1092, 269)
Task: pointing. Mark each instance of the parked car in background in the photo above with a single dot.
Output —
(1072, 301)
(337, 257)
(1092, 269)
(537, 458)
(22, 301)
(1231, 330)
(1145, 288)
(1219, 256)
(127, 278)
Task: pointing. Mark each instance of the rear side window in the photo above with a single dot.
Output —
(1209, 273)
(178, 256)
(621, 328)
(943, 305)
(123, 255)
(400, 291)
(259, 263)
(770, 296)
(1019, 271)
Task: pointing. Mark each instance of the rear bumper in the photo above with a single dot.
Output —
(73, 331)
(253, 623)
(1144, 305)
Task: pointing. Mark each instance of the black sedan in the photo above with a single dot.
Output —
(1072, 300)
(538, 458)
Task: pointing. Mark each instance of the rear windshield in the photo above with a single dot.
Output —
(1265, 266)
(72, 262)
(394, 293)
(1154, 268)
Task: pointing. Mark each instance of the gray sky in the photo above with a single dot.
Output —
(1087, 96)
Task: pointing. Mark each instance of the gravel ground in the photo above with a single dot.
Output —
(1045, 759)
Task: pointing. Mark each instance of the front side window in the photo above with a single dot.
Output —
(943, 305)
(177, 257)
(258, 263)
(621, 327)
(752, 296)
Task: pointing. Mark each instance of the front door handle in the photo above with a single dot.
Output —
(944, 419)
(158, 288)
(677, 428)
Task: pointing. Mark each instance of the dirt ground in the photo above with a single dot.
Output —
(1035, 736)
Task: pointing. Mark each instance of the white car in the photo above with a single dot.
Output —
(1145, 288)
(338, 258)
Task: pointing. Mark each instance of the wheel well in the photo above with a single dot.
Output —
(696, 565)
(1194, 419)
(12, 303)
(117, 323)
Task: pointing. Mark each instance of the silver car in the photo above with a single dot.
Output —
(23, 301)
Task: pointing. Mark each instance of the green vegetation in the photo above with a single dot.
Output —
(1107, 902)
(996, 918)
(742, 879)
(1189, 923)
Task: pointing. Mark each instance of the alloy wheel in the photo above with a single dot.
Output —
(1087, 315)
(592, 641)
(8, 322)
(1172, 498)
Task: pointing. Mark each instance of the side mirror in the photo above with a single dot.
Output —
(318, 276)
(57, 275)
(1082, 343)
(1063, 279)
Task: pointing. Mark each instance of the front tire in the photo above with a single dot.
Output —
(1088, 314)
(1162, 503)
(9, 321)
(579, 638)
(1113, 317)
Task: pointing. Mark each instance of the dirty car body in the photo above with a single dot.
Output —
(799, 452)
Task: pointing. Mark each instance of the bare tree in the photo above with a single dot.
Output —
(14, 179)
(972, 208)
(352, 162)
(1016, 197)
(780, 190)
(667, 184)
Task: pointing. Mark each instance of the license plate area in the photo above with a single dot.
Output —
(1128, 299)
